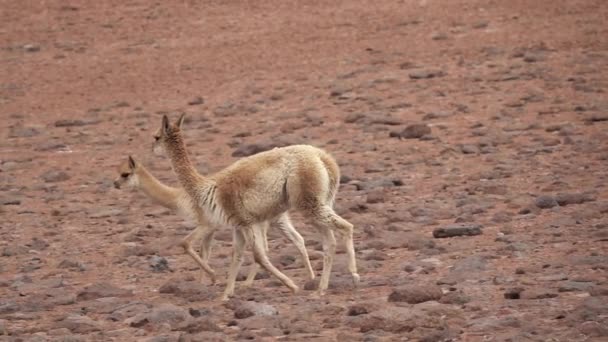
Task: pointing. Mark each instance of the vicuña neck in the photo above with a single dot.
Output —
(159, 192)
(186, 172)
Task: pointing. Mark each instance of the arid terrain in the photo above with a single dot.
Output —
(485, 115)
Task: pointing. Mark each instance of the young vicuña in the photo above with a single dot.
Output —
(134, 174)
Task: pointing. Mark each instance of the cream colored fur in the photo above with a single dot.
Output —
(135, 175)
(259, 188)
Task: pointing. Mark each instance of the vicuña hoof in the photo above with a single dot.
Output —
(356, 279)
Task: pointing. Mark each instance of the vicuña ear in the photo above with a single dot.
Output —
(165, 125)
(180, 121)
(131, 163)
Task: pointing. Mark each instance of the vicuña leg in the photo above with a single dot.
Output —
(187, 245)
(240, 242)
(205, 250)
(328, 222)
(292, 234)
(260, 232)
(260, 256)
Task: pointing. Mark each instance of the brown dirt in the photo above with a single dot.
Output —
(514, 93)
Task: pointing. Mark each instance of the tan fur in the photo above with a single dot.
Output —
(136, 175)
(262, 187)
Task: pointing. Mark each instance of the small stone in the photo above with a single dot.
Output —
(249, 309)
(513, 293)
(415, 131)
(414, 294)
(102, 290)
(425, 74)
(356, 310)
(80, 324)
(545, 202)
(164, 313)
(54, 176)
(69, 123)
(31, 48)
(458, 230)
(196, 101)
(570, 198)
(159, 264)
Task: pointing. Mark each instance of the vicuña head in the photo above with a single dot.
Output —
(126, 174)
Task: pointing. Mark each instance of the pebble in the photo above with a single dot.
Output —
(53, 176)
(414, 294)
(545, 202)
(458, 230)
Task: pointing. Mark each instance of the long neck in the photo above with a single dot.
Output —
(189, 178)
(162, 194)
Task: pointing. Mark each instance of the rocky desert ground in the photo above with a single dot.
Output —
(482, 117)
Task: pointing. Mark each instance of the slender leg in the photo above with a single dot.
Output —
(186, 243)
(260, 256)
(328, 222)
(329, 250)
(240, 241)
(205, 250)
(260, 232)
(292, 234)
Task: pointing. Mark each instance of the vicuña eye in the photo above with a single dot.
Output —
(124, 175)
(156, 138)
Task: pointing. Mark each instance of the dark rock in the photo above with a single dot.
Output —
(545, 202)
(469, 149)
(9, 306)
(72, 264)
(457, 230)
(415, 131)
(356, 310)
(455, 297)
(159, 264)
(193, 326)
(425, 74)
(191, 290)
(251, 149)
(196, 101)
(53, 176)
(80, 324)
(571, 198)
(31, 48)
(74, 123)
(101, 290)
(415, 294)
(164, 313)
(513, 293)
(378, 183)
(248, 309)
(129, 310)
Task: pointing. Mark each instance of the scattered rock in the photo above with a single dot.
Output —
(101, 290)
(164, 313)
(375, 196)
(194, 326)
(251, 149)
(414, 131)
(196, 101)
(72, 264)
(105, 212)
(457, 230)
(159, 264)
(571, 198)
(80, 324)
(415, 294)
(53, 176)
(74, 123)
(31, 48)
(545, 202)
(425, 74)
(248, 309)
(23, 132)
(190, 290)
(356, 310)
(513, 293)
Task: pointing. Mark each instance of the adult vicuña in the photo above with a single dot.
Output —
(260, 188)
(135, 175)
